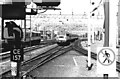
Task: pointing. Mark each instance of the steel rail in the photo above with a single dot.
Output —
(57, 53)
(6, 55)
(25, 62)
(43, 58)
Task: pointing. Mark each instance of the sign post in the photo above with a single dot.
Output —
(107, 61)
(106, 25)
(16, 58)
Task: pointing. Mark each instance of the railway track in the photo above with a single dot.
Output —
(42, 43)
(55, 53)
(6, 55)
(27, 66)
(8, 60)
(79, 48)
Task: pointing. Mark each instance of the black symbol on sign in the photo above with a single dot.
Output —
(107, 56)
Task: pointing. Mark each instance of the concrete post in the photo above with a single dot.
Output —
(106, 23)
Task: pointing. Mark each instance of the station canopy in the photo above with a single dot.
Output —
(27, 2)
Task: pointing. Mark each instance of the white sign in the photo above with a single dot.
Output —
(106, 61)
(13, 68)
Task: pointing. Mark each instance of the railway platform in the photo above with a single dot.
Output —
(72, 64)
(100, 44)
(93, 45)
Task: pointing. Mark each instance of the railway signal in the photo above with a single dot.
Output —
(15, 9)
(13, 34)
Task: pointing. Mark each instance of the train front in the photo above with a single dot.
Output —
(61, 37)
